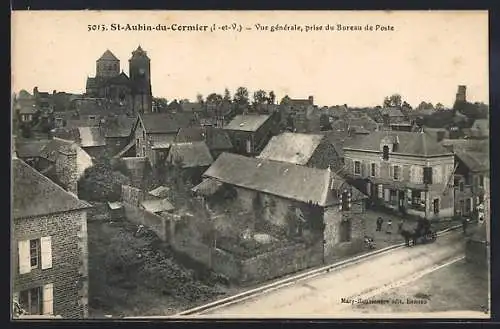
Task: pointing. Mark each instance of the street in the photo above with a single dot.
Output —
(333, 294)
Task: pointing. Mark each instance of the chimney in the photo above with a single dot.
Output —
(462, 94)
(35, 91)
(66, 167)
(311, 100)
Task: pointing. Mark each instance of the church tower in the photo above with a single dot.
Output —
(140, 78)
(107, 66)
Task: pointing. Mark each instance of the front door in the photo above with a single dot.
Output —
(401, 201)
(435, 205)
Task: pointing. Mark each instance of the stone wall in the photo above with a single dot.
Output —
(67, 169)
(334, 248)
(69, 271)
(155, 223)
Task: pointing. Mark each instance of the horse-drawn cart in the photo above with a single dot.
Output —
(422, 234)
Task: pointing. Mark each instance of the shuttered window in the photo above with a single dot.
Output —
(387, 195)
(373, 169)
(419, 174)
(380, 191)
(437, 173)
(357, 168)
(35, 253)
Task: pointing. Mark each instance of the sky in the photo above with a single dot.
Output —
(425, 58)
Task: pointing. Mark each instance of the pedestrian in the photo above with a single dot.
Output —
(389, 227)
(400, 225)
(379, 224)
(465, 223)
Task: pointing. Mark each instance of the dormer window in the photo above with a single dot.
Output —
(385, 152)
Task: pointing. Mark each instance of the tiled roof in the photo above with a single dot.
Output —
(91, 136)
(194, 154)
(248, 122)
(291, 147)
(158, 123)
(475, 161)
(108, 56)
(120, 79)
(410, 143)
(30, 149)
(282, 179)
(190, 134)
(36, 195)
(217, 139)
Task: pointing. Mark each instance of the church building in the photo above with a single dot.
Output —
(133, 92)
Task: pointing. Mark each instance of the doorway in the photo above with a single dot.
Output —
(435, 205)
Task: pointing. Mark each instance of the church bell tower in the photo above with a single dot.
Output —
(140, 77)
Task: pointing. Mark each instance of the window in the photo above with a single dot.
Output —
(468, 206)
(380, 191)
(396, 173)
(357, 168)
(345, 230)
(481, 180)
(385, 152)
(31, 301)
(37, 301)
(428, 175)
(346, 201)
(373, 169)
(91, 117)
(461, 208)
(35, 254)
(143, 151)
(461, 186)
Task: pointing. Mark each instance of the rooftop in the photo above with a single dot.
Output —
(282, 179)
(108, 56)
(291, 147)
(475, 161)
(166, 123)
(36, 195)
(193, 154)
(410, 143)
(247, 122)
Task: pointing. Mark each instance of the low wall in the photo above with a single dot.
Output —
(157, 224)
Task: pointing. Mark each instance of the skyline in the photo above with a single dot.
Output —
(331, 66)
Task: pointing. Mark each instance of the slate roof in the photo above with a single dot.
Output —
(190, 134)
(30, 149)
(207, 187)
(247, 122)
(217, 139)
(36, 195)
(475, 161)
(466, 145)
(66, 133)
(281, 179)
(291, 147)
(90, 137)
(193, 154)
(163, 123)
(120, 79)
(108, 56)
(410, 143)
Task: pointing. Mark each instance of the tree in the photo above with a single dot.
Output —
(101, 183)
(394, 100)
(227, 95)
(214, 98)
(199, 98)
(272, 97)
(439, 107)
(241, 96)
(425, 106)
(260, 97)
(160, 104)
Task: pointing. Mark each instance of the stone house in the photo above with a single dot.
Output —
(472, 167)
(155, 132)
(302, 149)
(249, 133)
(117, 133)
(405, 171)
(288, 198)
(49, 246)
(217, 139)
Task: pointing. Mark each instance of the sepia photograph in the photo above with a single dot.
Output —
(250, 165)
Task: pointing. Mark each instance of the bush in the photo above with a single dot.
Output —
(101, 183)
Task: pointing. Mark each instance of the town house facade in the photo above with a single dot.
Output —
(49, 242)
(408, 172)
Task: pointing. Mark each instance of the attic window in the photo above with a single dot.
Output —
(385, 152)
(92, 117)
